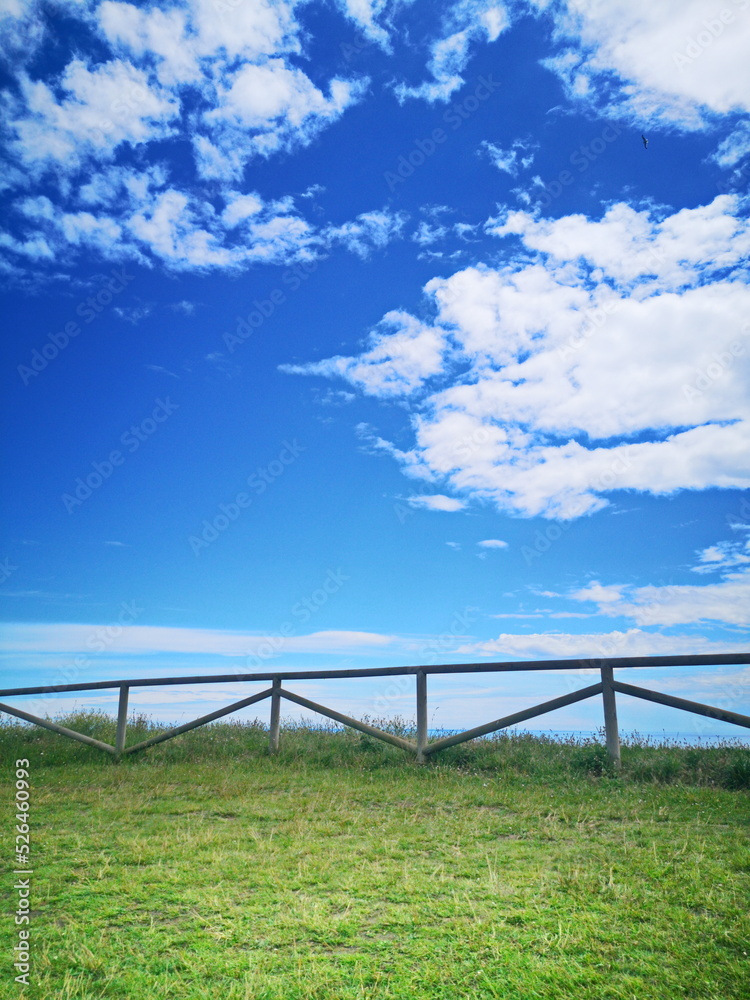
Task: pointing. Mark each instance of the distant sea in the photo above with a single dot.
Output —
(677, 738)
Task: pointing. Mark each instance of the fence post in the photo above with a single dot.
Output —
(610, 717)
(421, 715)
(122, 719)
(273, 737)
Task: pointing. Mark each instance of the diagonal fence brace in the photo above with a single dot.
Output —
(62, 730)
(187, 726)
(330, 713)
(511, 720)
(696, 707)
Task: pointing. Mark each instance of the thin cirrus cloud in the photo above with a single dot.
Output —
(588, 366)
(632, 642)
(71, 639)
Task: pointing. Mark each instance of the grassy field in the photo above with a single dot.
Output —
(514, 868)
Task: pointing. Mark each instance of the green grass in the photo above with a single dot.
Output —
(514, 868)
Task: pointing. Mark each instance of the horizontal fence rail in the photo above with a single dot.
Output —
(607, 687)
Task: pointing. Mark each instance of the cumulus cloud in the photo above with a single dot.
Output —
(678, 62)
(139, 215)
(266, 108)
(104, 107)
(584, 362)
(225, 77)
(493, 543)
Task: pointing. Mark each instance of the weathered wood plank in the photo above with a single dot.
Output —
(275, 724)
(511, 720)
(696, 660)
(170, 734)
(330, 713)
(53, 726)
(610, 717)
(687, 706)
(122, 719)
(421, 715)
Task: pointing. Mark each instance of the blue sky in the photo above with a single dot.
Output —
(364, 333)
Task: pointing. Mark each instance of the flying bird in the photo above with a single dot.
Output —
(645, 141)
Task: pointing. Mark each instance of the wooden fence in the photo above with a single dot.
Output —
(423, 748)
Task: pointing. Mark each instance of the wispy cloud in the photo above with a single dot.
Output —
(136, 640)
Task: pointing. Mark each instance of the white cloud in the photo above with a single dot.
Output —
(23, 638)
(427, 234)
(263, 109)
(678, 61)
(596, 592)
(158, 34)
(563, 645)
(184, 306)
(240, 208)
(725, 602)
(467, 22)
(403, 353)
(493, 543)
(723, 556)
(206, 31)
(364, 14)
(510, 160)
(182, 230)
(106, 106)
(735, 147)
(584, 359)
(222, 76)
(369, 231)
(262, 95)
(436, 501)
